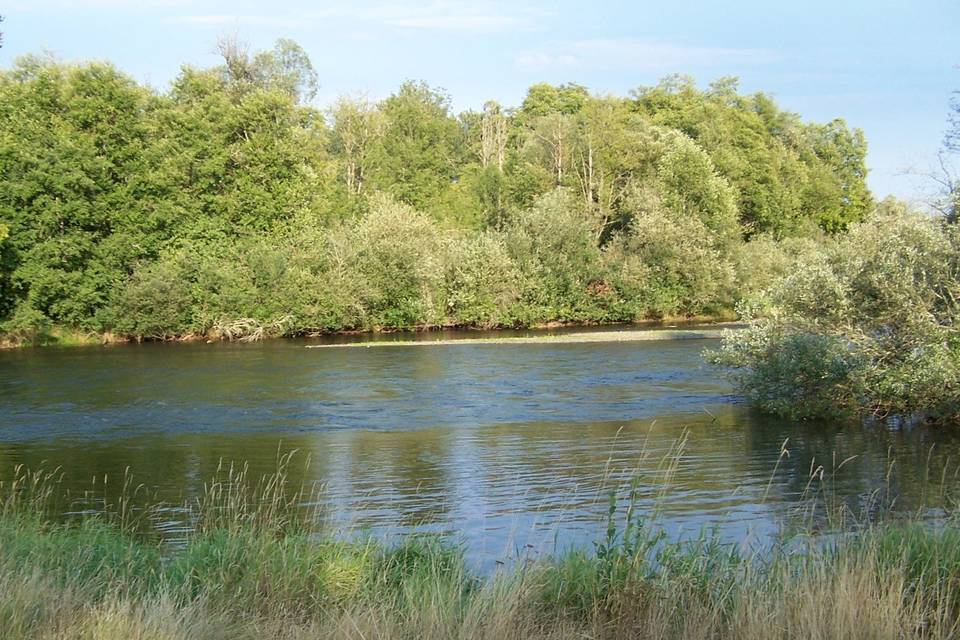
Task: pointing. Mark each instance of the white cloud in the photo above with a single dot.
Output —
(436, 15)
(458, 22)
(622, 53)
(92, 4)
(448, 16)
(228, 20)
(454, 16)
(535, 60)
(439, 15)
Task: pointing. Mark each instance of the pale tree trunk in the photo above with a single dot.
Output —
(493, 139)
(558, 153)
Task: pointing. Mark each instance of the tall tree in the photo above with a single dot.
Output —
(4, 229)
(949, 181)
(494, 128)
(606, 154)
(951, 140)
(356, 139)
(285, 68)
(547, 117)
(421, 145)
(71, 139)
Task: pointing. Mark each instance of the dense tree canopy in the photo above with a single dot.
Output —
(230, 204)
(784, 169)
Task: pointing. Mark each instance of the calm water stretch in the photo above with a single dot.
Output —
(501, 446)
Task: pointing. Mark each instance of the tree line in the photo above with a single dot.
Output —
(231, 205)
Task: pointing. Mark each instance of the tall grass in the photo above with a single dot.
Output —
(255, 567)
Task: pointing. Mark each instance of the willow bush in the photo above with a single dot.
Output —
(867, 326)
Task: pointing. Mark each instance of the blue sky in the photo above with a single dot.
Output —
(887, 67)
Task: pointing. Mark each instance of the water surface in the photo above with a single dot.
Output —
(509, 448)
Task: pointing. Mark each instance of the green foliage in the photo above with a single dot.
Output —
(682, 225)
(796, 374)
(393, 257)
(483, 284)
(109, 174)
(421, 567)
(617, 569)
(670, 263)
(27, 325)
(868, 326)
(286, 69)
(228, 207)
(420, 145)
(245, 572)
(836, 192)
(95, 551)
(691, 187)
(227, 164)
(69, 139)
(555, 249)
(927, 558)
(785, 171)
(546, 99)
(763, 260)
(235, 290)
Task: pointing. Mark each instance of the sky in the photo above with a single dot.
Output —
(886, 67)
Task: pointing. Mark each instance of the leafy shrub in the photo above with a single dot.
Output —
(869, 325)
(482, 284)
(157, 301)
(239, 289)
(763, 260)
(555, 247)
(393, 260)
(795, 373)
(26, 324)
(671, 263)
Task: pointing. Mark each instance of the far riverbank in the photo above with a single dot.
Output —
(710, 325)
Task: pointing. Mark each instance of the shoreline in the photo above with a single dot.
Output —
(65, 337)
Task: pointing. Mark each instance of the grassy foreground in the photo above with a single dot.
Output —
(251, 570)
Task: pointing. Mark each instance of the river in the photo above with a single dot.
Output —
(508, 448)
